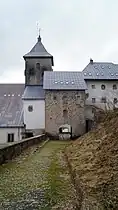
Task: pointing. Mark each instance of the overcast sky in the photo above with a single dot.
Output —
(72, 31)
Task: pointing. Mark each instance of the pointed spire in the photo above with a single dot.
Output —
(39, 38)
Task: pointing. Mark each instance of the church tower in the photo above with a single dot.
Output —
(37, 61)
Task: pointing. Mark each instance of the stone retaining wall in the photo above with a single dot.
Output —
(12, 150)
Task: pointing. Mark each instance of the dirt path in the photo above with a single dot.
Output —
(37, 180)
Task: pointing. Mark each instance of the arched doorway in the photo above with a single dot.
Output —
(65, 132)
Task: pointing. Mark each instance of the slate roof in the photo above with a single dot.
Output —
(39, 51)
(101, 71)
(11, 107)
(60, 80)
(34, 93)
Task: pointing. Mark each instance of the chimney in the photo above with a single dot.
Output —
(91, 61)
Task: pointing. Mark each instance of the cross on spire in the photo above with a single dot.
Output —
(39, 32)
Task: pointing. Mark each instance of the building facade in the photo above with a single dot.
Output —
(68, 97)
(55, 101)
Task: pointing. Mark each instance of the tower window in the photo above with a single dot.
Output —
(30, 108)
(114, 87)
(103, 87)
(38, 65)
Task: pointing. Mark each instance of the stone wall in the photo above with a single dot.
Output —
(14, 149)
(65, 107)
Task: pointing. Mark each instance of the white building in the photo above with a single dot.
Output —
(34, 109)
(102, 83)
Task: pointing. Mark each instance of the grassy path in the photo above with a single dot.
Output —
(37, 180)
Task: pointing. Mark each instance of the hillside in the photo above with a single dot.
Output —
(93, 160)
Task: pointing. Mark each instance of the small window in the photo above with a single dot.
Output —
(115, 100)
(30, 108)
(93, 100)
(103, 100)
(38, 65)
(54, 98)
(93, 86)
(114, 87)
(10, 137)
(65, 113)
(103, 87)
(65, 99)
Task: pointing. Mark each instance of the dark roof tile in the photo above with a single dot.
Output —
(101, 71)
(11, 107)
(34, 93)
(60, 80)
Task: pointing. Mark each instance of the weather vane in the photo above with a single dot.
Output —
(38, 29)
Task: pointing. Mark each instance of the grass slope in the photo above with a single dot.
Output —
(94, 162)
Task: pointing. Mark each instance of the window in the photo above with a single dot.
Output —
(93, 100)
(114, 87)
(10, 137)
(65, 99)
(93, 86)
(115, 100)
(30, 108)
(103, 100)
(38, 65)
(65, 113)
(103, 87)
(54, 97)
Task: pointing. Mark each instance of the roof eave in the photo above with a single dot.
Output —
(65, 89)
(39, 56)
